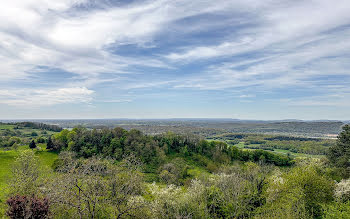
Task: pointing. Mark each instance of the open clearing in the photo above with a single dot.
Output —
(7, 157)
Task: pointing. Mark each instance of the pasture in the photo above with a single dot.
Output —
(7, 157)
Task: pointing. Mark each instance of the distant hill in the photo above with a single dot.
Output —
(209, 127)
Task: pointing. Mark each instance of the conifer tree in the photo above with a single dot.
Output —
(32, 145)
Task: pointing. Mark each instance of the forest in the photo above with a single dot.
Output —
(116, 173)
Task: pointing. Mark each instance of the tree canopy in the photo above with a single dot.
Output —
(339, 155)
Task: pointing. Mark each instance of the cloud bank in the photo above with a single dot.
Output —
(85, 51)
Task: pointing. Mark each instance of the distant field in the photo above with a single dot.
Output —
(4, 127)
(242, 146)
(211, 127)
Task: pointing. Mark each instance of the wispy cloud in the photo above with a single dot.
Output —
(108, 48)
(117, 101)
(38, 98)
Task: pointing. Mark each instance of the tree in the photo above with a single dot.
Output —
(339, 210)
(16, 140)
(339, 154)
(96, 188)
(25, 207)
(49, 144)
(26, 174)
(40, 140)
(32, 145)
(300, 193)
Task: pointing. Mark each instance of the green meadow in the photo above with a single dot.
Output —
(281, 151)
(7, 157)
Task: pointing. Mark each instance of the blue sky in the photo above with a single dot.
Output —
(247, 59)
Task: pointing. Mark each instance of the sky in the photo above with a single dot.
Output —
(244, 59)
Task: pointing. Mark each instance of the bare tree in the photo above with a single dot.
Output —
(94, 188)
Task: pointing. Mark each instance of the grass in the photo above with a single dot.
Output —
(7, 157)
(197, 172)
(3, 127)
(26, 131)
(297, 154)
(6, 160)
(281, 151)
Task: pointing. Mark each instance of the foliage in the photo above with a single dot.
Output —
(26, 172)
(173, 172)
(95, 188)
(9, 141)
(173, 202)
(40, 140)
(233, 194)
(32, 144)
(49, 144)
(41, 126)
(342, 190)
(153, 150)
(299, 193)
(313, 146)
(101, 174)
(27, 208)
(339, 210)
(339, 155)
(261, 156)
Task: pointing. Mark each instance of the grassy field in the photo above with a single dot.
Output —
(8, 154)
(25, 131)
(7, 157)
(241, 145)
(4, 127)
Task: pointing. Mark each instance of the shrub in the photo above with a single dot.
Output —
(337, 210)
(342, 190)
(24, 207)
(40, 140)
(32, 144)
(18, 207)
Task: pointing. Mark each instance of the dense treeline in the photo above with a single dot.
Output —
(32, 125)
(36, 125)
(118, 143)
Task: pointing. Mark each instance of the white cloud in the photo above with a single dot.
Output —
(60, 34)
(285, 43)
(288, 44)
(277, 26)
(118, 101)
(6, 93)
(36, 98)
(295, 63)
(226, 48)
(246, 96)
(55, 34)
(332, 100)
